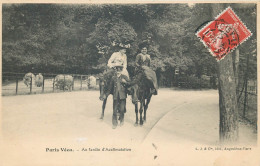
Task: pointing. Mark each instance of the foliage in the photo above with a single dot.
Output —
(59, 38)
(193, 82)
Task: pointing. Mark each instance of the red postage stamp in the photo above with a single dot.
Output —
(224, 34)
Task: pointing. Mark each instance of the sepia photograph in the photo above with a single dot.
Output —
(169, 84)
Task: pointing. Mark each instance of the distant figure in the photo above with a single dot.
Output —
(39, 80)
(213, 82)
(92, 82)
(28, 78)
(63, 82)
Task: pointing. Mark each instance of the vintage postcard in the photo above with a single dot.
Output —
(129, 83)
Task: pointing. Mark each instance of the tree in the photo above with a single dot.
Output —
(228, 127)
(64, 38)
(108, 32)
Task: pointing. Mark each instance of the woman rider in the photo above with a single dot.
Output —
(116, 57)
(143, 62)
(119, 57)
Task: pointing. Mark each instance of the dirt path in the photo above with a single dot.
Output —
(175, 119)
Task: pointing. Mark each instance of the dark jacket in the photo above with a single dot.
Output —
(140, 61)
(119, 88)
(144, 65)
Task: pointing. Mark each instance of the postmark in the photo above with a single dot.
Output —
(224, 34)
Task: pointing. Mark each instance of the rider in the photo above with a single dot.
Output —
(142, 63)
(119, 93)
(116, 57)
(119, 56)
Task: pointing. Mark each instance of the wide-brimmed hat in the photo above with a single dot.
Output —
(121, 45)
(124, 45)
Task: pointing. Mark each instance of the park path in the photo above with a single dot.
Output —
(178, 122)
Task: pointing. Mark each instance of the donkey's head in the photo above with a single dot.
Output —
(102, 83)
(134, 90)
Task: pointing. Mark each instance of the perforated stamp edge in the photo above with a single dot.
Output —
(220, 14)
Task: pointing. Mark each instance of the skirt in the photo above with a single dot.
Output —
(150, 75)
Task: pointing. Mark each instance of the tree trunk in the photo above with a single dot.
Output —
(236, 65)
(228, 127)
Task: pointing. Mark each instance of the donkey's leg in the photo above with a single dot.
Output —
(136, 113)
(103, 108)
(141, 111)
(146, 107)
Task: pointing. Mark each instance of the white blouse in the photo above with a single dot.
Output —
(117, 56)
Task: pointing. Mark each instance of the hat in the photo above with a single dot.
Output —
(120, 45)
(124, 45)
(143, 44)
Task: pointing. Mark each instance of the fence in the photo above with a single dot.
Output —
(189, 82)
(246, 92)
(13, 84)
(247, 101)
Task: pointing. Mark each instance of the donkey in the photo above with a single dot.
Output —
(141, 93)
(104, 80)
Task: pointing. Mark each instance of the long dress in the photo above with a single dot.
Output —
(144, 61)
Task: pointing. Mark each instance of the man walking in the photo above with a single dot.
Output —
(118, 86)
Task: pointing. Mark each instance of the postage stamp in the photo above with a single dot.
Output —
(224, 34)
